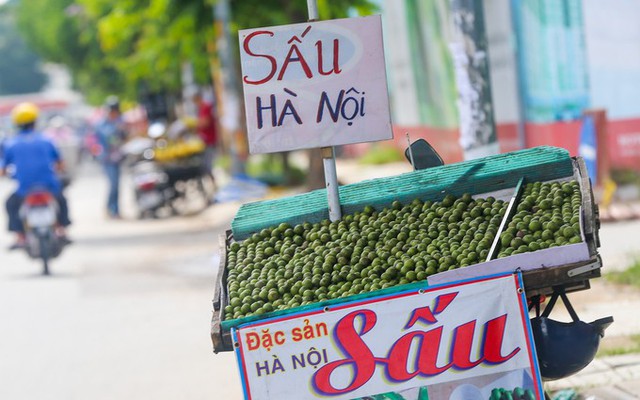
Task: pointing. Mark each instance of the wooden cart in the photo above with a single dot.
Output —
(566, 267)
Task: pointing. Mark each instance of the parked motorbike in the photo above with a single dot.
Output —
(163, 186)
(39, 217)
(151, 188)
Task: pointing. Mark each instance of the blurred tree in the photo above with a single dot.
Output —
(19, 66)
(131, 45)
(119, 46)
(61, 32)
(256, 13)
(147, 42)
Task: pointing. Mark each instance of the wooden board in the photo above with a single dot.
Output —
(487, 174)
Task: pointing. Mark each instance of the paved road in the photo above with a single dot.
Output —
(126, 314)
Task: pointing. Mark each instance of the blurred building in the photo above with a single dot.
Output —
(550, 61)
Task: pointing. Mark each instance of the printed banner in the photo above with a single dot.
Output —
(315, 84)
(463, 341)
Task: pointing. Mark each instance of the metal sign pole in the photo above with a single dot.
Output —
(328, 153)
(331, 180)
(312, 6)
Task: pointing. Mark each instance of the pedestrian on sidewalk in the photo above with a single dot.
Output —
(112, 134)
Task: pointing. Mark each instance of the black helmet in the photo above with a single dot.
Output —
(565, 348)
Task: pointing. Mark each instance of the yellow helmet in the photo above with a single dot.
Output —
(25, 113)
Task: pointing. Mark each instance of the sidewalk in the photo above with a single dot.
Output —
(620, 212)
(607, 378)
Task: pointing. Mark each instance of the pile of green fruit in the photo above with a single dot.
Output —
(515, 394)
(548, 215)
(288, 266)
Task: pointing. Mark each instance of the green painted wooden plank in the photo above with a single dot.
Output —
(476, 176)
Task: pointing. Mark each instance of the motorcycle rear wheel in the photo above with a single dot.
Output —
(43, 242)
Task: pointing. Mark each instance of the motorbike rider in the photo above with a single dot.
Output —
(34, 162)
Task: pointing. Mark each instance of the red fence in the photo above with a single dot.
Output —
(623, 139)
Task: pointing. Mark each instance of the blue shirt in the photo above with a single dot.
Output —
(33, 158)
(111, 136)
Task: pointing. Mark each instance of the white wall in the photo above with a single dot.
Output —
(613, 55)
(501, 38)
(404, 100)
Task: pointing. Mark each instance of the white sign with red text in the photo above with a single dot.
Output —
(468, 337)
(315, 84)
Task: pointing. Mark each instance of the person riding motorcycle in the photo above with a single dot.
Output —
(34, 162)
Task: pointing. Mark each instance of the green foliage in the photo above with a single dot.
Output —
(253, 14)
(18, 64)
(381, 154)
(60, 31)
(625, 177)
(271, 170)
(630, 276)
(120, 47)
(147, 42)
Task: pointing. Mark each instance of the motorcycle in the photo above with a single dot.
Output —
(151, 188)
(162, 187)
(38, 213)
(174, 190)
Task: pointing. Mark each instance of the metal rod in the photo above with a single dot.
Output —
(312, 6)
(331, 180)
(328, 154)
(513, 203)
(413, 164)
